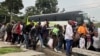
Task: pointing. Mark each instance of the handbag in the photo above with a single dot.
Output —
(50, 43)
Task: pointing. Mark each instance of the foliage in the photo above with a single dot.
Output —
(3, 10)
(13, 5)
(32, 10)
(4, 15)
(47, 6)
(42, 7)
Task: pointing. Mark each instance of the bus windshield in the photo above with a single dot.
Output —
(86, 19)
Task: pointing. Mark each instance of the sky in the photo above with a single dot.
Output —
(92, 7)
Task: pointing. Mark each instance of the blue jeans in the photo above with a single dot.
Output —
(26, 40)
(59, 45)
(41, 39)
(68, 46)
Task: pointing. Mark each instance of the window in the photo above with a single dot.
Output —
(79, 20)
(86, 19)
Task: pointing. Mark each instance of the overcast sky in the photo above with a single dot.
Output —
(92, 7)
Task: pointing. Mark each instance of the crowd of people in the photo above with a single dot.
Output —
(58, 37)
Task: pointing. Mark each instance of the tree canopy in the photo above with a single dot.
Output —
(32, 10)
(3, 10)
(13, 5)
(47, 6)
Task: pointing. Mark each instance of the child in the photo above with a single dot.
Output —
(82, 41)
(96, 41)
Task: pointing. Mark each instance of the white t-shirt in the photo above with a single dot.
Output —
(96, 43)
(69, 32)
(82, 43)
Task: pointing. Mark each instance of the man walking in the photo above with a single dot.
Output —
(69, 38)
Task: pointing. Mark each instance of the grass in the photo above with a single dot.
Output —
(6, 50)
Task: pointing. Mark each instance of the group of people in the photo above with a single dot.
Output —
(89, 37)
(59, 37)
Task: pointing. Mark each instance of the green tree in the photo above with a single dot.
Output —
(32, 10)
(47, 6)
(13, 5)
(4, 15)
(3, 10)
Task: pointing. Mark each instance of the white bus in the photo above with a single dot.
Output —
(61, 18)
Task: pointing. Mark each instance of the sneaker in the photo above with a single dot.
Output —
(22, 46)
(72, 55)
(6, 42)
(24, 49)
(43, 47)
(55, 50)
(59, 52)
(18, 44)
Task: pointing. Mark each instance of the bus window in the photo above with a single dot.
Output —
(86, 19)
(33, 18)
(55, 18)
(39, 19)
(29, 20)
(79, 20)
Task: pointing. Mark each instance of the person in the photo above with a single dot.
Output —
(39, 34)
(9, 34)
(16, 30)
(13, 31)
(33, 37)
(3, 31)
(55, 31)
(69, 38)
(26, 30)
(82, 41)
(96, 41)
(64, 42)
(83, 30)
(45, 34)
(60, 39)
(20, 35)
(92, 29)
